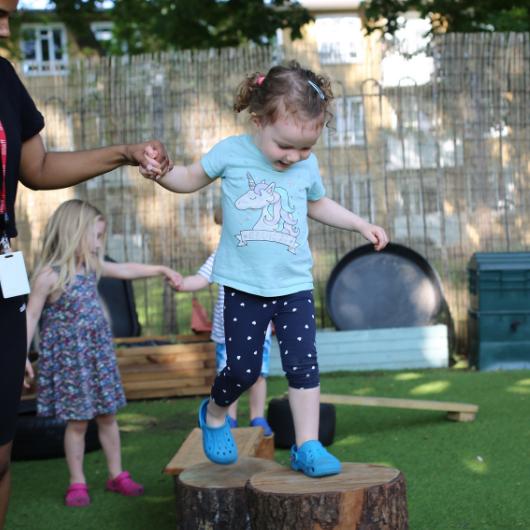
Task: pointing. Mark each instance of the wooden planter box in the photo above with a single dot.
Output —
(183, 368)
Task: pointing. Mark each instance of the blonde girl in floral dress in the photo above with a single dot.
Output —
(78, 378)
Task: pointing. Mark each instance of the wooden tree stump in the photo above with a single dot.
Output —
(362, 497)
(213, 497)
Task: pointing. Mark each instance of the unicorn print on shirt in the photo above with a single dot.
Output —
(276, 222)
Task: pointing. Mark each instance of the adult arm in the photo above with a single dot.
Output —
(40, 169)
(329, 212)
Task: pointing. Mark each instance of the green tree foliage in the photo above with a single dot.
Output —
(77, 15)
(157, 25)
(449, 15)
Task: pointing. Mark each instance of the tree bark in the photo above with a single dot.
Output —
(213, 497)
(361, 497)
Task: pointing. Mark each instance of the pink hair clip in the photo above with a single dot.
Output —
(260, 79)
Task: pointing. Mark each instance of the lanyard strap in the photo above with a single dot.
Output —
(3, 162)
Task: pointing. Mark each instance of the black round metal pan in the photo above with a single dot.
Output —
(395, 287)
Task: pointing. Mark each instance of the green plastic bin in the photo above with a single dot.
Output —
(499, 340)
(499, 314)
(499, 281)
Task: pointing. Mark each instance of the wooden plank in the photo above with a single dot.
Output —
(176, 375)
(377, 349)
(387, 346)
(249, 442)
(397, 361)
(166, 367)
(200, 337)
(455, 409)
(369, 335)
(166, 358)
(132, 340)
(166, 349)
(461, 416)
(178, 382)
(201, 390)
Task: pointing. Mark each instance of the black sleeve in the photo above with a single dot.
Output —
(31, 120)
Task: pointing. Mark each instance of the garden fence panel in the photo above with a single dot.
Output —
(443, 166)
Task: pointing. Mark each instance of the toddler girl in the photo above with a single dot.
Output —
(78, 377)
(270, 183)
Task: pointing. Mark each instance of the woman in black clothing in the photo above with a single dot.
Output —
(23, 158)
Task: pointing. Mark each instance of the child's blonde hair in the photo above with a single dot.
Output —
(218, 215)
(65, 246)
(290, 88)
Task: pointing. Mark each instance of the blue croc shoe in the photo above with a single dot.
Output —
(313, 460)
(232, 422)
(218, 443)
(263, 423)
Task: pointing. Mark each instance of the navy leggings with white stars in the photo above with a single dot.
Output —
(246, 317)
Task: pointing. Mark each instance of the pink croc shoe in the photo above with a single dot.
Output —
(125, 485)
(77, 495)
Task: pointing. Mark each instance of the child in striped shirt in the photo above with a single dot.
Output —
(258, 391)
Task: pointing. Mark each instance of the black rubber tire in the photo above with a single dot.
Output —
(281, 421)
(40, 438)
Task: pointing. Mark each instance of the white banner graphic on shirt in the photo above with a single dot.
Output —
(277, 221)
(265, 235)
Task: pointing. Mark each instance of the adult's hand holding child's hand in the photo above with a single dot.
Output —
(151, 158)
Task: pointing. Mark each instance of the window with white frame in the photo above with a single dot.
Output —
(44, 49)
(339, 39)
(102, 31)
(347, 127)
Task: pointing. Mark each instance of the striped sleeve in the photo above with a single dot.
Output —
(207, 268)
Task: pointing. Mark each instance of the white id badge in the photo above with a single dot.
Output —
(13, 275)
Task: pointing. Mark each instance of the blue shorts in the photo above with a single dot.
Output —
(220, 356)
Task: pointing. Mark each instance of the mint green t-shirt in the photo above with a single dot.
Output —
(263, 248)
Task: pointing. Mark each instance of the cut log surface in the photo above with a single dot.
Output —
(213, 497)
(362, 496)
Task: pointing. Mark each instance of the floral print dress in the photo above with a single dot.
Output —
(78, 376)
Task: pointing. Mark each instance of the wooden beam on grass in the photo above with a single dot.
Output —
(455, 411)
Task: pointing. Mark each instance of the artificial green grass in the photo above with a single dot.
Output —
(469, 476)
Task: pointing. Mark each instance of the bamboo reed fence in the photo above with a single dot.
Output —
(443, 166)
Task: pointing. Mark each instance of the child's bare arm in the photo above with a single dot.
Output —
(193, 283)
(40, 291)
(329, 212)
(182, 179)
(133, 271)
(29, 374)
